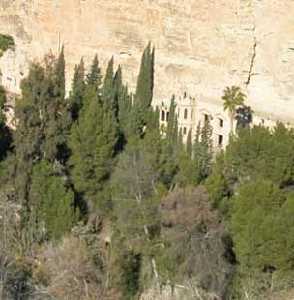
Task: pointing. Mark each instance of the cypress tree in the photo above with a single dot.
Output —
(78, 90)
(94, 77)
(55, 117)
(59, 77)
(108, 90)
(118, 92)
(125, 112)
(144, 92)
(145, 83)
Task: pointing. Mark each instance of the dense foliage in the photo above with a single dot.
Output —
(98, 202)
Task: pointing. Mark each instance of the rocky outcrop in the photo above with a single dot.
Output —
(201, 45)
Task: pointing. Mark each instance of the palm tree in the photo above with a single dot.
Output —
(233, 98)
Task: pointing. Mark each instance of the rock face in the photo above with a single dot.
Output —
(202, 46)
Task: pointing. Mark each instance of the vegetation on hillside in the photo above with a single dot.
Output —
(95, 203)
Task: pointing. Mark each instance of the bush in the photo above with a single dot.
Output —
(196, 245)
(67, 271)
(6, 42)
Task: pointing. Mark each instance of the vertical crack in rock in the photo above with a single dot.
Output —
(253, 48)
(252, 61)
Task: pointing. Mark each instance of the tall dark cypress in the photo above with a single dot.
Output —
(172, 125)
(78, 90)
(145, 82)
(118, 91)
(94, 77)
(144, 92)
(125, 112)
(108, 90)
(55, 117)
(59, 77)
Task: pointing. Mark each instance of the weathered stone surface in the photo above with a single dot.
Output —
(202, 45)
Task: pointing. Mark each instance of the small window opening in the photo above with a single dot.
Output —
(167, 115)
(185, 131)
(221, 123)
(191, 114)
(186, 113)
(220, 140)
(162, 115)
(206, 118)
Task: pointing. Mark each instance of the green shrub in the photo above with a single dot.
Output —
(6, 42)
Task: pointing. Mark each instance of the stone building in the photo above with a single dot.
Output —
(194, 111)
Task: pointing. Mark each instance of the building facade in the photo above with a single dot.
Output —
(194, 111)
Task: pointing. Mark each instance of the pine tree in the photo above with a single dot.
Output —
(92, 141)
(78, 90)
(217, 184)
(42, 120)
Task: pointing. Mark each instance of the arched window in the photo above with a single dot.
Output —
(186, 113)
(185, 131)
(167, 115)
(162, 115)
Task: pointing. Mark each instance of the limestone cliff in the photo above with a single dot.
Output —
(202, 45)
